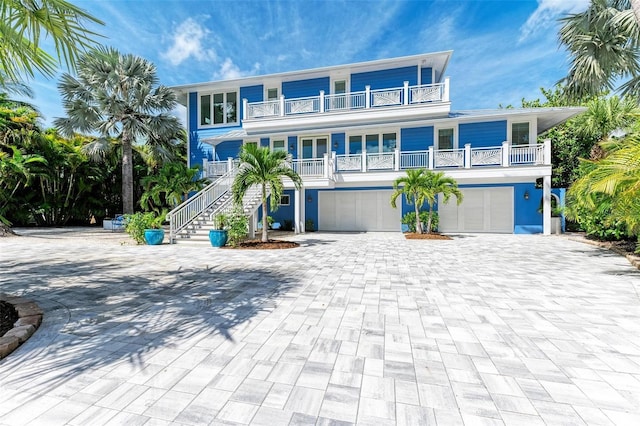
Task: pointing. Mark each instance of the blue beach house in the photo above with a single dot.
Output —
(351, 130)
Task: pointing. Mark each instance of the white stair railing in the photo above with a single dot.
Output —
(191, 209)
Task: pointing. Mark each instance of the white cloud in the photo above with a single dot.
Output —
(230, 71)
(547, 14)
(189, 40)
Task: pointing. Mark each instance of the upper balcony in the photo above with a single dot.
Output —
(402, 103)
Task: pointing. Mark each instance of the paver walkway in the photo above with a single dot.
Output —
(366, 328)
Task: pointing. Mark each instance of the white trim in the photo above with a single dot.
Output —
(248, 141)
(533, 128)
(444, 126)
(288, 200)
(210, 94)
(314, 144)
(377, 131)
(284, 139)
(339, 77)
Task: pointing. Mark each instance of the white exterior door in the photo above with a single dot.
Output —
(357, 211)
(482, 210)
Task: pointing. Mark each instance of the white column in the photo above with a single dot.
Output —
(325, 159)
(467, 156)
(396, 159)
(445, 93)
(332, 168)
(204, 168)
(282, 105)
(367, 96)
(364, 161)
(299, 200)
(505, 154)
(245, 106)
(547, 152)
(546, 205)
(252, 225)
(229, 164)
(406, 93)
(431, 159)
(322, 101)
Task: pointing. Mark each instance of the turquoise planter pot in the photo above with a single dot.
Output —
(154, 237)
(218, 237)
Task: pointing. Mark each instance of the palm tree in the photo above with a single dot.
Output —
(170, 186)
(260, 166)
(422, 185)
(117, 96)
(24, 24)
(604, 46)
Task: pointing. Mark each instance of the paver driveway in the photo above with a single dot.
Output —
(366, 328)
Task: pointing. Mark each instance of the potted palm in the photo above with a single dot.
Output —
(219, 235)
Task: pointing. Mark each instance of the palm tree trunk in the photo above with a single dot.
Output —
(418, 223)
(265, 222)
(429, 220)
(127, 174)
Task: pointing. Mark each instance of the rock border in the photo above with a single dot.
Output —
(29, 319)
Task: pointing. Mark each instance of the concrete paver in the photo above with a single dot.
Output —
(348, 328)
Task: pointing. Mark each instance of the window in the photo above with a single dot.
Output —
(218, 108)
(284, 200)
(278, 145)
(252, 143)
(314, 147)
(520, 133)
(373, 143)
(272, 94)
(445, 139)
(339, 87)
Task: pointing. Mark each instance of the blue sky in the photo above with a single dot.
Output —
(503, 50)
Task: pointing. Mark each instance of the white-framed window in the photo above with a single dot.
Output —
(521, 132)
(445, 137)
(278, 144)
(313, 146)
(272, 94)
(218, 108)
(285, 200)
(372, 142)
(251, 142)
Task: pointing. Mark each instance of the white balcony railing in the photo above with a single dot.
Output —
(379, 98)
(464, 158)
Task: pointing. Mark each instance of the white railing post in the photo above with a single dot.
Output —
(406, 93)
(229, 164)
(245, 107)
(367, 96)
(322, 101)
(281, 105)
(445, 92)
(326, 165)
(431, 159)
(364, 161)
(204, 168)
(505, 154)
(547, 152)
(333, 164)
(396, 159)
(467, 156)
(546, 205)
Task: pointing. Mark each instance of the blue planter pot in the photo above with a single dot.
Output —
(218, 237)
(154, 237)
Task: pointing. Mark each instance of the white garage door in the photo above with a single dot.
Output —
(357, 211)
(482, 210)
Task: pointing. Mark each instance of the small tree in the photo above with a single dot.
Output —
(260, 166)
(420, 186)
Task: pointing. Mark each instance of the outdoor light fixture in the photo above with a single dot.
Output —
(291, 147)
(309, 199)
(526, 195)
(335, 144)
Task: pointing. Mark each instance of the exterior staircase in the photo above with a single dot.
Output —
(192, 220)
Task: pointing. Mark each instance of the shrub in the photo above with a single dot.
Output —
(237, 226)
(597, 223)
(287, 225)
(136, 223)
(409, 219)
(309, 226)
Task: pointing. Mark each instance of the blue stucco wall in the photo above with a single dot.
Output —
(416, 138)
(339, 139)
(384, 79)
(283, 212)
(491, 133)
(293, 142)
(311, 206)
(426, 75)
(304, 88)
(264, 142)
(251, 94)
(197, 150)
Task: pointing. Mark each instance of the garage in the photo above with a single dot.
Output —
(482, 210)
(357, 211)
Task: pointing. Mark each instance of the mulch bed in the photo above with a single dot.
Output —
(429, 236)
(8, 316)
(269, 245)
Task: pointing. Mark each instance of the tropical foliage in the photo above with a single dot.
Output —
(420, 186)
(119, 97)
(23, 27)
(169, 186)
(265, 168)
(409, 219)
